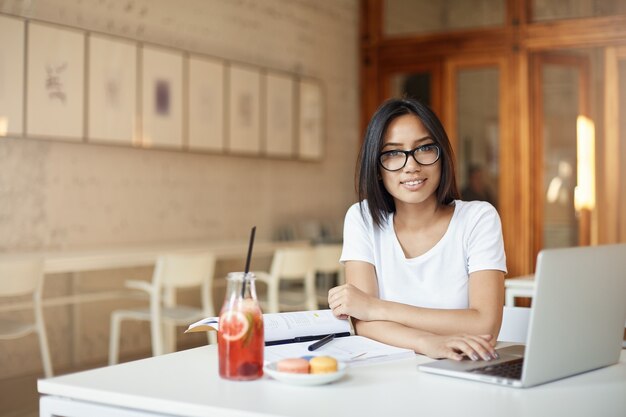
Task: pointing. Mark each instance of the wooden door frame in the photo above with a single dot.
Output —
(507, 182)
(612, 226)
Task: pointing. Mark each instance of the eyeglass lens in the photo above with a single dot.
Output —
(397, 159)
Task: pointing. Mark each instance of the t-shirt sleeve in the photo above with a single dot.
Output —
(485, 245)
(357, 236)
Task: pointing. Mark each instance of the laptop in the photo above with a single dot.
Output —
(576, 322)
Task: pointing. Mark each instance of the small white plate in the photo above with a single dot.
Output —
(304, 379)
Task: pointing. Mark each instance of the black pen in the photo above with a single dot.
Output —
(321, 342)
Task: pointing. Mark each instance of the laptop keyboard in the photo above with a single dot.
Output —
(511, 369)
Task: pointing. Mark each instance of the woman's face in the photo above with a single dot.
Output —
(414, 183)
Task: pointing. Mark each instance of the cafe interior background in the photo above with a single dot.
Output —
(274, 140)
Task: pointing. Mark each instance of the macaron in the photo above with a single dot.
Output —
(293, 366)
(323, 365)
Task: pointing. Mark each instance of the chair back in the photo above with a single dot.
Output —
(184, 270)
(292, 263)
(514, 326)
(20, 277)
(327, 258)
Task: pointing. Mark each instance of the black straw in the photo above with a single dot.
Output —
(243, 287)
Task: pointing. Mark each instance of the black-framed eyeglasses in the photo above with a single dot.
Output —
(396, 159)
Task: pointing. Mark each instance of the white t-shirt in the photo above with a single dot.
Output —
(439, 278)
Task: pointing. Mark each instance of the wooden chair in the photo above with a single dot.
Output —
(289, 265)
(172, 272)
(23, 278)
(515, 321)
(328, 270)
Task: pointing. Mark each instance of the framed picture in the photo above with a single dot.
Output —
(112, 109)
(11, 76)
(244, 110)
(206, 104)
(162, 101)
(279, 116)
(310, 120)
(55, 77)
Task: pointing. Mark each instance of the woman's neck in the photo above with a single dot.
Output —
(418, 216)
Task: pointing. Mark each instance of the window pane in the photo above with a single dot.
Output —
(570, 9)
(403, 17)
(478, 134)
(560, 109)
(415, 85)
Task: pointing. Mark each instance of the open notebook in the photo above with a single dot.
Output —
(289, 335)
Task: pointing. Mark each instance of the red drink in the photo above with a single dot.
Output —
(240, 338)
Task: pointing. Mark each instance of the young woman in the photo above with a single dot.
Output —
(424, 270)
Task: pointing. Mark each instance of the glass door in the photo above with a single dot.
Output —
(421, 81)
(473, 113)
(560, 90)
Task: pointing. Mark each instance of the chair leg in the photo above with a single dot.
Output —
(114, 338)
(169, 333)
(156, 331)
(43, 342)
(212, 337)
(309, 289)
(272, 296)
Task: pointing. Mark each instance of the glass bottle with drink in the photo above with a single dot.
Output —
(240, 337)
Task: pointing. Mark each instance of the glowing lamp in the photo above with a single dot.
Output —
(585, 191)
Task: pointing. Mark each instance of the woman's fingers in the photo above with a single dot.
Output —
(335, 293)
(461, 345)
(452, 354)
(475, 347)
(478, 347)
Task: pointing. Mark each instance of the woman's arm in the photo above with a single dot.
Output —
(359, 299)
(361, 293)
(432, 345)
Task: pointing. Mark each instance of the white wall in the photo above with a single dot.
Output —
(56, 195)
(59, 195)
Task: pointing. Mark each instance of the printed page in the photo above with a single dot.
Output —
(288, 326)
(352, 349)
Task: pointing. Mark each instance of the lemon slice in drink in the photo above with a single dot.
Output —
(234, 325)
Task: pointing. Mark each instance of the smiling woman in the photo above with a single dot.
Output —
(424, 270)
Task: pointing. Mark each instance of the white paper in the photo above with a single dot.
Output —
(352, 349)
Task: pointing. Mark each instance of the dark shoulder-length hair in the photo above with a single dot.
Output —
(369, 185)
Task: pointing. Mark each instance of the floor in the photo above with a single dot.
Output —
(18, 397)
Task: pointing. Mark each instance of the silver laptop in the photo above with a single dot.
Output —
(576, 323)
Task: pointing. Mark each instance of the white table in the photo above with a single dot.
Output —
(129, 256)
(187, 384)
(523, 286)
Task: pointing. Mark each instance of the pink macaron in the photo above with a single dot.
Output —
(293, 366)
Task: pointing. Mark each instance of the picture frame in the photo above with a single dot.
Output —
(55, 80)
(112, 90)
(11, 76)
(244, 110)
(279, 116)
(162, 97)
(310, 120)
(206, 104)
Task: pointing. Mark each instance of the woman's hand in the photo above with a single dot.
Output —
(348, 300)
(455, 346)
